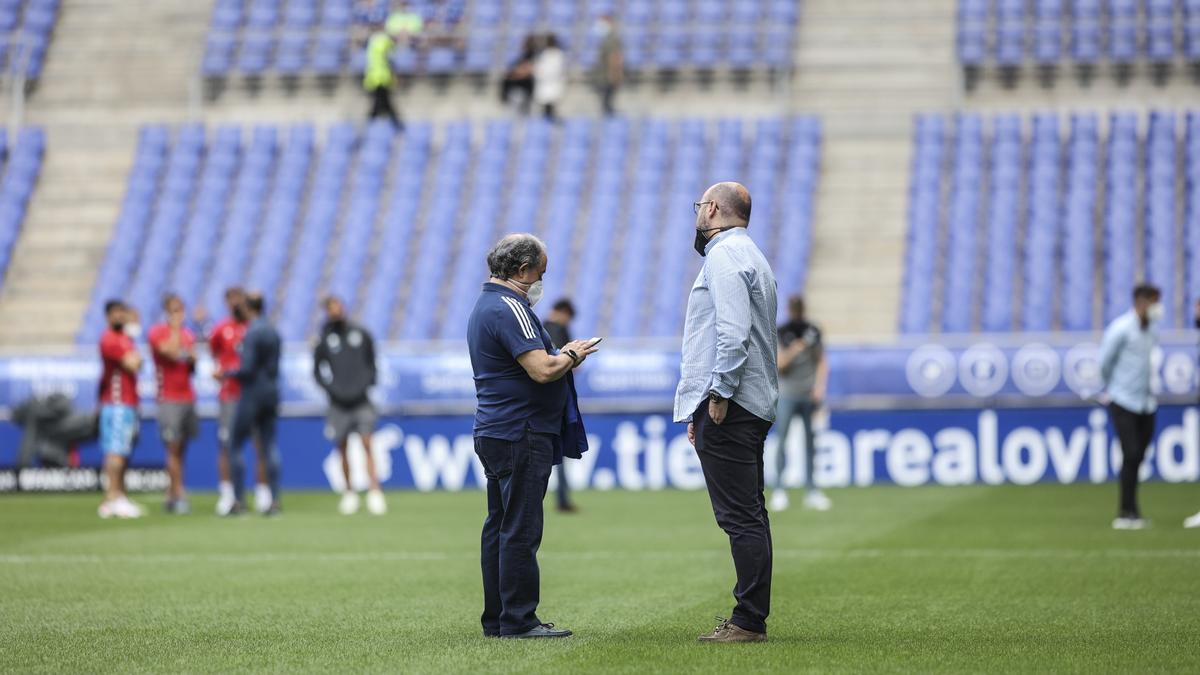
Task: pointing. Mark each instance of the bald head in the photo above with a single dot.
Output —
(732, 201)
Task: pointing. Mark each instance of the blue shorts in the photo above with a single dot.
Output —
(118, 428)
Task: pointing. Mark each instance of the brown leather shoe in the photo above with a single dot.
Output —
(726, 631)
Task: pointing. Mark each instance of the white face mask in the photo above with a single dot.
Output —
(534, 293)
(1156, 312)
(133, 330)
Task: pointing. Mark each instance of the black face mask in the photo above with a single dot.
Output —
(239, 314)
(701, 242)
(118, 327)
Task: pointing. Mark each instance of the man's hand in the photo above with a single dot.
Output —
(797, 347)
(581, 349)
(717, 410)
(692, 434)
(818, 396)
(218, 374)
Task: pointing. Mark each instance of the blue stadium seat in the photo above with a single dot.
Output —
(255, 53)
(218, 55)
(961, 262)
(1041, 232)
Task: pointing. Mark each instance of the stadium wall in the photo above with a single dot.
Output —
(648, 452)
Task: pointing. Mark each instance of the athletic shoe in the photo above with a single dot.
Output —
(817, 501)
(273, 511)
(1127, 523)
(349, 504)
(726, 631)
(235, 509)
(546, 630)
(225, 505)
(779, 500)
(123, 508)
(182, 507)
(1193, 521)
(130, 507)
(106, 510)
(262, 499)
(376, 504)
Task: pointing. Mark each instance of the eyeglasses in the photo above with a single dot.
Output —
(696, 206)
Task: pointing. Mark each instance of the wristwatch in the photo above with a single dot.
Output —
(714, 397)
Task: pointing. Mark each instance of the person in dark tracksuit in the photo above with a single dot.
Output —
(728, 393)
(344, 366)
(558, 325)
(258, 407)
(523, 426)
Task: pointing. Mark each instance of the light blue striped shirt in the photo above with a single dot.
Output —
(729, 338)
(1125, 363)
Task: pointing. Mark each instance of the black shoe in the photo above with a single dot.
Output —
(236, 510)
(545, 630)
(491, 634)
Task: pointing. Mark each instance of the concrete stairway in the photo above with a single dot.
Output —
(865, 67)
(113, 65)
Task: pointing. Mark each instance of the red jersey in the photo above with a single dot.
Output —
(117, 385)
(224, 343)
(174, 375)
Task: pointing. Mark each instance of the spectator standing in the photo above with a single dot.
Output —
(558, 325)
(519, 76)
(609, 70)
(173, 346)
(550, 77)
(378, 77)
(344, 366)
(803, 376)
(1126, 371)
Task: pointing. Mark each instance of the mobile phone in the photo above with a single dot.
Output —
(593, 342)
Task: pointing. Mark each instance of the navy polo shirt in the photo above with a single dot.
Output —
(501, 328)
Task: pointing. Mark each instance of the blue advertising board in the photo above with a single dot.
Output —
(648, 451)
(638, 378)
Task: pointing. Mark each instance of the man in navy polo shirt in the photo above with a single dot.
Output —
(523, 403)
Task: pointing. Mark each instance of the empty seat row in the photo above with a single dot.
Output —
(398, 225)
(1018, 202)
(254, 37)
(1009, 33)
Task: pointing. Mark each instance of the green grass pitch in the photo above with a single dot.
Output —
(976, 579)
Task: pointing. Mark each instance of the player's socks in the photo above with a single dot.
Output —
(226, 498)
(262, 498)
(376, 504)
(349, 504)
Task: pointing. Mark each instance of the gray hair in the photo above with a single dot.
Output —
(513, 252)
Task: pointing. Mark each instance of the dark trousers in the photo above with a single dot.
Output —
(564, 490)
(517, 84)
(1135, 431)
(256, 415)
(518, 473)
(731, 454)
(789, 408)
(381, 106)
(607, 93)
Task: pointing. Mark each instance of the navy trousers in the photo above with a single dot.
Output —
(518, 473)
(256, 415)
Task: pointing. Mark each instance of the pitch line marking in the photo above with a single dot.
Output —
(436, 556)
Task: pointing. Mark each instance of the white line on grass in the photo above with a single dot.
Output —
(434, 556)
